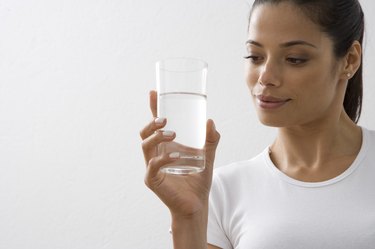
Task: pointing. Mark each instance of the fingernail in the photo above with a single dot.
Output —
(174, 155)
(168, 133)
(159, 121)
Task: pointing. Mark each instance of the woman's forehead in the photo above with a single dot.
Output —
(282, 22)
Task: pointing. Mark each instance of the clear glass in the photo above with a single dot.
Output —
(181, 86)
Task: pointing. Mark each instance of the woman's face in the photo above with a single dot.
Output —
(291, 71)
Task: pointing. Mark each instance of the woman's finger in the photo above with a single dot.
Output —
(150, 143)
(151, 127)
(153, 103)
(153, 168)
(212, 141)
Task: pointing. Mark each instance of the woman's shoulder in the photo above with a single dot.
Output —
(368, 137)
(243, 168)
(369, 132)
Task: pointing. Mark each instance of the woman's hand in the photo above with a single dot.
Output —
(184, 195)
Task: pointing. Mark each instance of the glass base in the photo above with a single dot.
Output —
(181, 170)
(190, 161)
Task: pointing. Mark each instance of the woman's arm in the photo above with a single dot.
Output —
(191, 232)
(186, 196)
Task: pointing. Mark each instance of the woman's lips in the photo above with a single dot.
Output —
(270, 102)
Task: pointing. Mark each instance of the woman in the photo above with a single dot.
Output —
(314, 186)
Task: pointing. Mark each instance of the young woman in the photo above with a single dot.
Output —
(314, 186)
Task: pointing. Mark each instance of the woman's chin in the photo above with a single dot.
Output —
(272, 121)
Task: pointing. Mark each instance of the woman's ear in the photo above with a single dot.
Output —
(353, 60)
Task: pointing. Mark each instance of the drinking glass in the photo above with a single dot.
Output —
(182, 100)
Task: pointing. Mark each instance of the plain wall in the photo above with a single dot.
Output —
(74, 83)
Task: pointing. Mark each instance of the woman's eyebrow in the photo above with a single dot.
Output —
(252, 42)
(297, 42)
(283, 45)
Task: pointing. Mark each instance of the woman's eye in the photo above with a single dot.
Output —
(253, 58)
(296, 61)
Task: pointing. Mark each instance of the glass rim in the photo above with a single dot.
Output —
(204, 64)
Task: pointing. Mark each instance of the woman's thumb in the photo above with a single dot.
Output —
(212, 140)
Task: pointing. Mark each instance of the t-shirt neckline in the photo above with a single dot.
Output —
(343, 175)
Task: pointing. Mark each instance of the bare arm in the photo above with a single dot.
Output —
(190, 232)
(186, 196)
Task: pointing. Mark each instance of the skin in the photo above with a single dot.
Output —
(316, 139)
(185, 196)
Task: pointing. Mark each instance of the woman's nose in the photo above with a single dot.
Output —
(269, 74)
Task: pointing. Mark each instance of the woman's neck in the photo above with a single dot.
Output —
(320, 151)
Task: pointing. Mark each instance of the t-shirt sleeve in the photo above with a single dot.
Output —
(215, 231)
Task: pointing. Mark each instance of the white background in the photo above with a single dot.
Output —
(74, 82)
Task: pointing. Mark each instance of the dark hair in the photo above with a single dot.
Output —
(343, 21)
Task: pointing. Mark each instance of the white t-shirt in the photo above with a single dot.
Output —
(253, 205)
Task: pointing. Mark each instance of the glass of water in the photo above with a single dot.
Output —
(182, 100)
